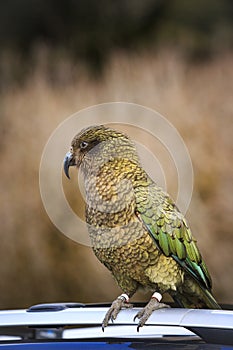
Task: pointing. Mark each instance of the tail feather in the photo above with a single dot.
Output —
(195, 295)
(209, 299)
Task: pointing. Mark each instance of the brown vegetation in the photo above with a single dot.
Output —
(38, 263)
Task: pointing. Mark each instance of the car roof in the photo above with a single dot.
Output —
(214, 326)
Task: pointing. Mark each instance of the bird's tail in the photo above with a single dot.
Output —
(197, 297)
(210, 300)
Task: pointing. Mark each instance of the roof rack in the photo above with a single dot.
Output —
(214, 326)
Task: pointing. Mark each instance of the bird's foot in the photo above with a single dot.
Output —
(154, 304)
(117, 305)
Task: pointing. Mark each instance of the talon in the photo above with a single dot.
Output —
(162, 306)
(114, 309)
(145, 313)
(138, 315)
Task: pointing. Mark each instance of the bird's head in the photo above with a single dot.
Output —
(96, 145)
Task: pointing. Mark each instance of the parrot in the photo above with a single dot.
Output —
(135, 228)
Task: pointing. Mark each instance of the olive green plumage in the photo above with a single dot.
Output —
(136, 230)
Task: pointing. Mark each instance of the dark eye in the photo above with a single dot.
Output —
(83, 144)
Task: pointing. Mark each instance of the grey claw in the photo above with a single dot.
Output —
(113, 311)
(145, 313)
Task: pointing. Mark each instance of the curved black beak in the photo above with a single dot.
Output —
(68, 161)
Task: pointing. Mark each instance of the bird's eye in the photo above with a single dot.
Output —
(83, 144)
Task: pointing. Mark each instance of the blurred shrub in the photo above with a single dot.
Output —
(90, 29)
(87, 29)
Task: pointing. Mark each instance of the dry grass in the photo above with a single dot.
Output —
(40, 264)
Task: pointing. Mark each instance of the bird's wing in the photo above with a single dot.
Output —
(169, 230)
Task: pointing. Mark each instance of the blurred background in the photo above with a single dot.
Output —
(57, 57)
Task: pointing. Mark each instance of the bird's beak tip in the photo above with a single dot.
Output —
(67, 163)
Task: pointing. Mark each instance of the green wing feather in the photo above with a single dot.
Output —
(170, 231)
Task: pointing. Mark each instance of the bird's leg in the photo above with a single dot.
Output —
(117, 305)
(154, 304)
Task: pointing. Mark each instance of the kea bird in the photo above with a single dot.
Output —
(135, 228)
